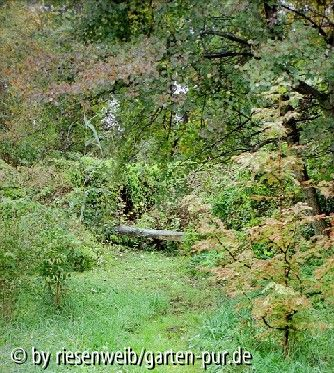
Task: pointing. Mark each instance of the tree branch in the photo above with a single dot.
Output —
(270, 326)
(223, 54)
(306, 89)
(313, 23)
(258, 146)
(227, 35)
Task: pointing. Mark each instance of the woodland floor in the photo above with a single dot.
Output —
(133, 299)
(148, 300)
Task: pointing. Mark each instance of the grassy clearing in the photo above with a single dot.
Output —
(133, 299)
(148, 299)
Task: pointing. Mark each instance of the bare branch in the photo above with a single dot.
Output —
(224, 54)
(227, 35)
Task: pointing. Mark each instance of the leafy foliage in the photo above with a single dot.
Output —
(274, 262)
(41, 241)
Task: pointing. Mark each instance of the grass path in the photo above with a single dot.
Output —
(133, 299)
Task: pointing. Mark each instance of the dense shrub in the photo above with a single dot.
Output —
(37, 240)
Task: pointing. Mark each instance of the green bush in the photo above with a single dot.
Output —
(238, 207)
(94, 198)
(38, 240)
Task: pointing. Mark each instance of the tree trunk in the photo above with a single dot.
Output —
(311, 196)
(163, 235)
(312, 200)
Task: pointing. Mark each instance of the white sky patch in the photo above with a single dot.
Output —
(178, 118)
(109, 113)
(179, 88)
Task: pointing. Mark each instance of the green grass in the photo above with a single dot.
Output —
(229, 327)
(133, 299)
(147, 299)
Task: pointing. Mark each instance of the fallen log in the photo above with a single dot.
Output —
(159, 234)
